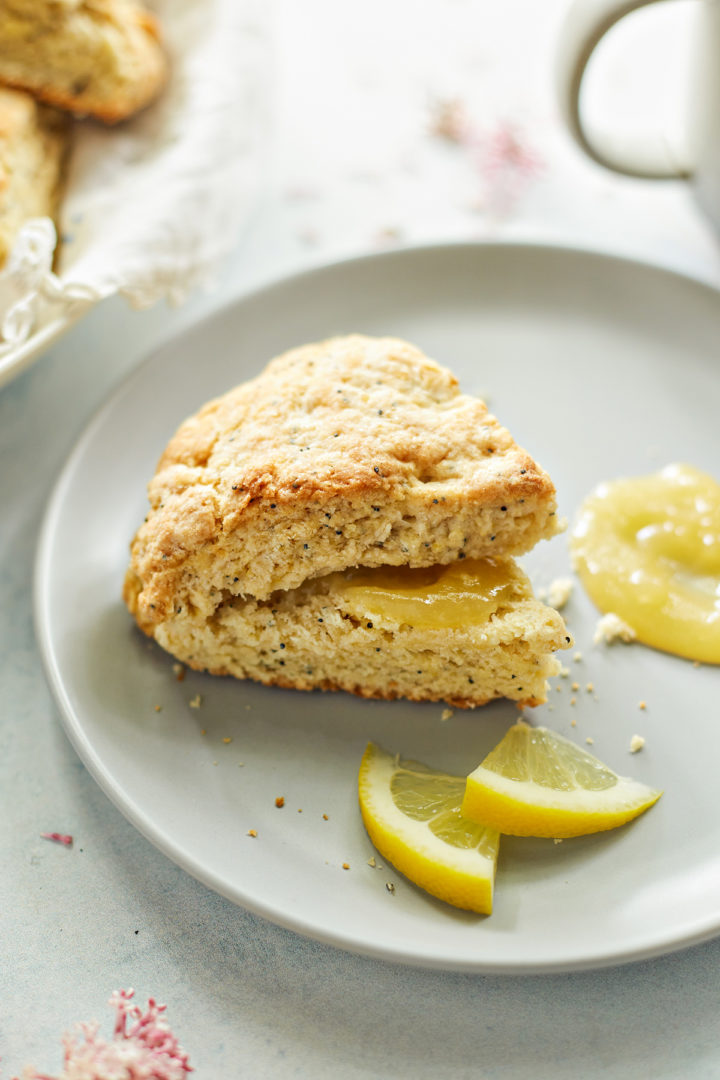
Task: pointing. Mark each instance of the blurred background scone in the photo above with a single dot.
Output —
(99, 58)
(33, 144)
(151, 91)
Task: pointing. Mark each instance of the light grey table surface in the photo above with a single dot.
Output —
(246, 998)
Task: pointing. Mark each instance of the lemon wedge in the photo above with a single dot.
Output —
(537, 783)
(413, 818)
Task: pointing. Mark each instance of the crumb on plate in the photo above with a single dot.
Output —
(559, 592)
(611, 628)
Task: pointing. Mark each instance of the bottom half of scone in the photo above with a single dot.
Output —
(466, 634)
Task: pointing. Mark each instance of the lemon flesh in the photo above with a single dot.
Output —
(537, 783)
(413, 818)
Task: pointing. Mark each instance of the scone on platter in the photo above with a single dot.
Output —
(98, 58)
(347, 520)
(33, 144)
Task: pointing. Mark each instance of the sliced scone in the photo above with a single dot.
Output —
(33, 144)
(287, 514)
(97, 58)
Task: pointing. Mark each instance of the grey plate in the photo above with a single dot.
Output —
(600, 367)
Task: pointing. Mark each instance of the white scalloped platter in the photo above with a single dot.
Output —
(600, 367)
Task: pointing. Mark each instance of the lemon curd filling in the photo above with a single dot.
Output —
(437, 597)
(648, 549)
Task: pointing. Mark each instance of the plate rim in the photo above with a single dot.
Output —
(694, 933)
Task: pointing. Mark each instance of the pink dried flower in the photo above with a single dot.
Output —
(142, 1047)
(507, 164)
(502, 156)
(58, 838)
(505, 150)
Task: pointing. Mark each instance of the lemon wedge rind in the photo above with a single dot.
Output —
(526, 807)
(519, 808)
(463, 877)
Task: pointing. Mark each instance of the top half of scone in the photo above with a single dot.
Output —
(355, 451)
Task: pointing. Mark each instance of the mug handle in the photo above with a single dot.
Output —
(643, 155)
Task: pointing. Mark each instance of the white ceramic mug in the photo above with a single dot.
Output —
(648, 155)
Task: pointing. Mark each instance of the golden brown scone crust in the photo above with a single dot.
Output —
(99, 58)
(353, 451)
(33, 144)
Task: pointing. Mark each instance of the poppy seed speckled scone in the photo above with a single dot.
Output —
(99, 58)
(354, 452)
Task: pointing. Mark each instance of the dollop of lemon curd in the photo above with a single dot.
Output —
(461, 594)
(648, 549)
